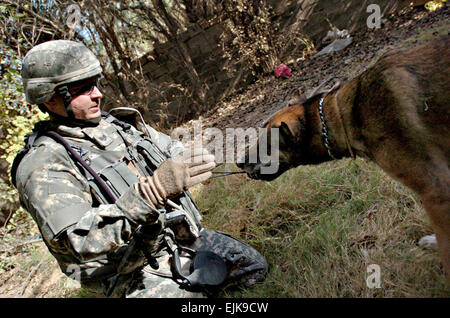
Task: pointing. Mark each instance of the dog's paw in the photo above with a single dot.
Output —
(428, 241)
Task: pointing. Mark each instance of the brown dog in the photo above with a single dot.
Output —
(396, 113)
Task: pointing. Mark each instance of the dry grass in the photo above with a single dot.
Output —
(321, 226)
(27, 269)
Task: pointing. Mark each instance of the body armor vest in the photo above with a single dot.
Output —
(119, 170)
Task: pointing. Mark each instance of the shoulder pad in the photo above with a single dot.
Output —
(114, 120)
(29, 142)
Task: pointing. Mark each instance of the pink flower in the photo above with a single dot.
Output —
(282, 70)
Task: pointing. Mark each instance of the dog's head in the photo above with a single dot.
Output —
(279, 145)
(287, 141)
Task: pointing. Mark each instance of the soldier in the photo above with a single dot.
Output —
(111, 202)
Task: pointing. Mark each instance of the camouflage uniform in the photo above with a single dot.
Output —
(89, 235)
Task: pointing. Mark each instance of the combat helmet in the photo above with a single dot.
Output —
(50, 66)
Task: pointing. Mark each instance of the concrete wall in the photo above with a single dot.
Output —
(202, 43)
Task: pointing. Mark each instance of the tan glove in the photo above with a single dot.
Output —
(176, 175)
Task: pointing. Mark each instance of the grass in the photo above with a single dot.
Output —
(319, 227)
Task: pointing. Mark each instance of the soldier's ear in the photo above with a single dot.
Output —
(43, 108)
(54, 103)
(51, 105)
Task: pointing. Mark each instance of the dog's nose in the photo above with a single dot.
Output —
(241, 161)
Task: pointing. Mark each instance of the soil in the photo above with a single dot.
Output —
(249, 107)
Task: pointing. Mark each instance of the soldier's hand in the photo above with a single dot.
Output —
(176, 175)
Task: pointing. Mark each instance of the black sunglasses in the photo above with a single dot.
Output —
(86, 89)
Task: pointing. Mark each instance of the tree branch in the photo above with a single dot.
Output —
(34, 14)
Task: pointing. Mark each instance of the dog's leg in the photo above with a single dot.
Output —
(437, 205)
(436, 200)
(425, 171)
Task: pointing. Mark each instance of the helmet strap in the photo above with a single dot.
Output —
(43, 108)
(72, 122)
(63, 91)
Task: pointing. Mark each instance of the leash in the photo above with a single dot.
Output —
(225, 173)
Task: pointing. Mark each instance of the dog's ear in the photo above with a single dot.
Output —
(335, 86)
(321, 90)
(297, 98)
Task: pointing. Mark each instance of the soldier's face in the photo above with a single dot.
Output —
(85, 101)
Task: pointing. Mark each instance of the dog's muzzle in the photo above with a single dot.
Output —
(259, 171)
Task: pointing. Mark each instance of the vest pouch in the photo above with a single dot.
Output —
(182, 225)
(154, 155)
(187, 202)
(118, 177)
